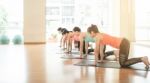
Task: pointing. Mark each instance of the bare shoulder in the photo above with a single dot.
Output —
(98, 37)
(82, 34)
(70, 34)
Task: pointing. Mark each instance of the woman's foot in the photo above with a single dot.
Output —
(145, 61)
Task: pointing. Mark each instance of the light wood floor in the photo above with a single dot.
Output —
(41, 64)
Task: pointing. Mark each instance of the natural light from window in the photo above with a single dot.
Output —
(11, 18)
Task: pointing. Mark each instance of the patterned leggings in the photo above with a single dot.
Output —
(124, 53)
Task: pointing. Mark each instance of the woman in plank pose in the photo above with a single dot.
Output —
(122, 44)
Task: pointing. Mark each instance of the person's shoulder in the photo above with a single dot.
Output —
(83, 33)
(105, 34)
(99, 36)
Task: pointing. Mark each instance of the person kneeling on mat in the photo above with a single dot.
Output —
(122, 44)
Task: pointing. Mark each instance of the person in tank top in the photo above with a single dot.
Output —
(122, 44)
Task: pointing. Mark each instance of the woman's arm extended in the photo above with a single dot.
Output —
(97, 49)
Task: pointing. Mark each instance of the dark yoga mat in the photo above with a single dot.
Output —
(63, 52)
(89, 57)
(111, 64)
(77, 57)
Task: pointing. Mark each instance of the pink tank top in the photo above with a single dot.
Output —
(110, 40)
(76, 38)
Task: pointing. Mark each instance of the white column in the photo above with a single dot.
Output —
(34, 21)
(127, 19)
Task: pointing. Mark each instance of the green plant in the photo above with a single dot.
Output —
(3, 20)
(17, 39)
(4, 39)
(3, 17)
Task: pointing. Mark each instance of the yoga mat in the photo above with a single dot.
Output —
(89, 57)
(112, 64)
(63, 52)
(77, 57)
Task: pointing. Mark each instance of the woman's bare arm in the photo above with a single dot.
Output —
(97, 49)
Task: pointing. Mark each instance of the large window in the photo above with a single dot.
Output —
(11, 18)
(52, 11)
(82, 13)
(67, 10)
(142, 19)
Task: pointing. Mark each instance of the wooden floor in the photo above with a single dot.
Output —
(41, 64)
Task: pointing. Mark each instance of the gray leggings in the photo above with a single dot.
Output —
(124, 53)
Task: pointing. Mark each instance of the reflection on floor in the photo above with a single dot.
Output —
(41, 64)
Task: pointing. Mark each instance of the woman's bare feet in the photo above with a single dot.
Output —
(145, 61)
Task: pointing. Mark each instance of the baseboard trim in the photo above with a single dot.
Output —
(34, 42)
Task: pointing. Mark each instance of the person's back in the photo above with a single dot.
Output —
(110, 40)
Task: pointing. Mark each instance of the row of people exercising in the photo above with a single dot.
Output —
(81, 41)
(101, 40)
(67, 39)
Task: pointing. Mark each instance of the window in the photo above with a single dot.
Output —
(11, 18)
(67, 20)
(53, 1)
(142, 19)
(52, 11)
(80, 13)
(67, 11)
(68, 1)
